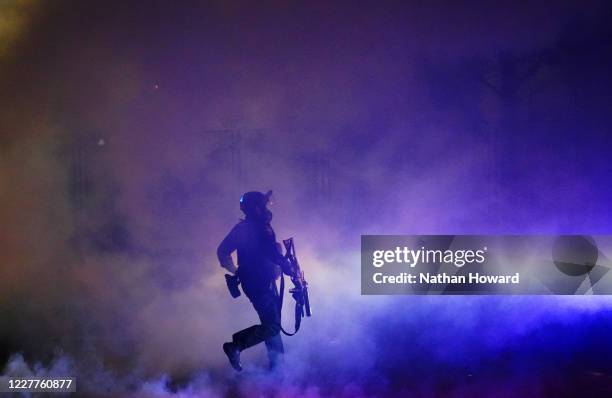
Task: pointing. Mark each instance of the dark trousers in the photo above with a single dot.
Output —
(266, 305)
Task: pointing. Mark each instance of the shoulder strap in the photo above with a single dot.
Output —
(298, 310)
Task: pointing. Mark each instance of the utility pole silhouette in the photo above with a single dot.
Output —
(321, 166)
(506, 78)
(230, 143)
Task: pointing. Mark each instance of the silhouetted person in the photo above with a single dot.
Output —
(260, 262)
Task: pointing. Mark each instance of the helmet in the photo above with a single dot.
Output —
(254, 202)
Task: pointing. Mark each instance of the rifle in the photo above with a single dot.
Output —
(300, 287)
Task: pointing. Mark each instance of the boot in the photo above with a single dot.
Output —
(233, 354)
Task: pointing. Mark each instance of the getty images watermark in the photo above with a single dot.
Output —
(480, 264)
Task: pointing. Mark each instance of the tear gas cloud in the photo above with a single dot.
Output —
(128, 134)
